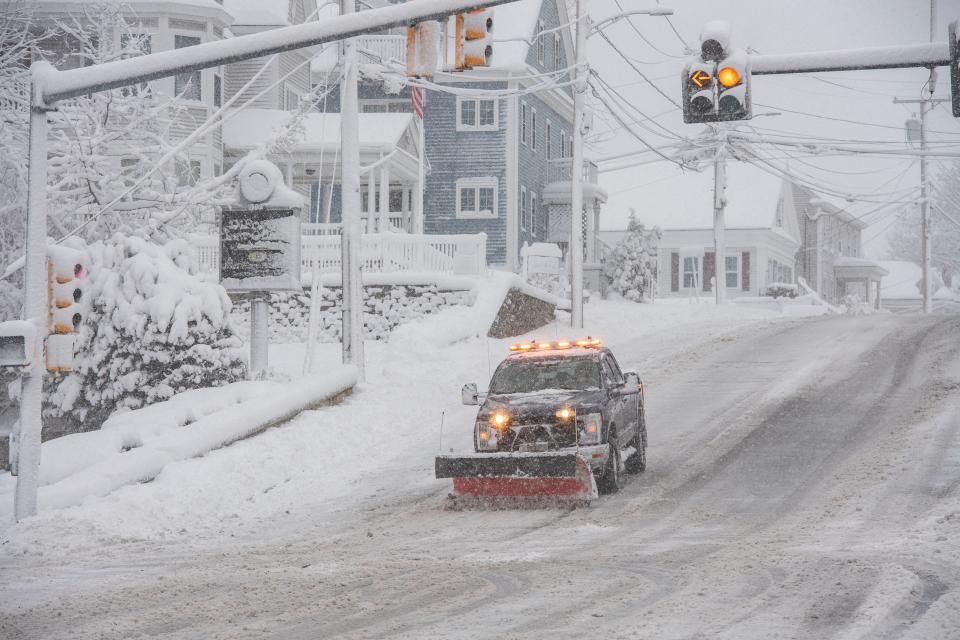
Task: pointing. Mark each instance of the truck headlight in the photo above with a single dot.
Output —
(487, 436)
(590, 426)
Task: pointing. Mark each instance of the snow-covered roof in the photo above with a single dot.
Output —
(272, 13)
(902, 279)
(686, 202)
(905, 280)
(513, 26)
(253, 127)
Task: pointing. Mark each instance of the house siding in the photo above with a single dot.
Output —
(551, 19)
(464, 154)
(239, 73)
(534, 168)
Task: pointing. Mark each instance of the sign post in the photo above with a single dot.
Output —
(260, 249)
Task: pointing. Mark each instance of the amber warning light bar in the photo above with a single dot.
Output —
(559, 344)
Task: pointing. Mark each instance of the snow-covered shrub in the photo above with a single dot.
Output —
(854, 305)
(632, 266)
(153, 328)
(781, 290)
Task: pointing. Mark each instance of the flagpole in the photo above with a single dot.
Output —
(418, 220)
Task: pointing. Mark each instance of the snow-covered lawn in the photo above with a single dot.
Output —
(379, 442)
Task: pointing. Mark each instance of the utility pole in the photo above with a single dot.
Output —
(351, 278)
(34, 299)
(926, 103)
(576, 174)
(719, 223)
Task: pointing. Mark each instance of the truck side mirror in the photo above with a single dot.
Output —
(469, 393)
(631, 380)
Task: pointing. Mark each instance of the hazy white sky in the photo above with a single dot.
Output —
(771, 26)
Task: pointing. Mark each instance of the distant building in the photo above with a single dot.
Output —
(762, 237)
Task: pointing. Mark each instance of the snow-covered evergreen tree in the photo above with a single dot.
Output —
(153, 328)
(632, 266)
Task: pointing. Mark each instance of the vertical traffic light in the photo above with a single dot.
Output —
(422, 41)
(474, 39)
(716, 83)
(954, 69)
(733, 87)
(66, 269)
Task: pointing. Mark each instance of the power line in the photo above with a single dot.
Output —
(668, 97)
(643, 37)
(835, 119)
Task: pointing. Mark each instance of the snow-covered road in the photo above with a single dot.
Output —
(803, 482)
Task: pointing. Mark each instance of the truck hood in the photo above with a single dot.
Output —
(542, 403)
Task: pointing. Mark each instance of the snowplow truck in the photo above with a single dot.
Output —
(560, 420)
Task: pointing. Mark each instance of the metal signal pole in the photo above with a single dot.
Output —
(351, 278)
(719, 223)
(926, 103)
(576, 174)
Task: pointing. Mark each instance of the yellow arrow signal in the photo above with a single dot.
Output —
(700, 78)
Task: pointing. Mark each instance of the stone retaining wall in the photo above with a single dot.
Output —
(384, 308)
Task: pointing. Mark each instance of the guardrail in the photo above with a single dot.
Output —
(461, 254)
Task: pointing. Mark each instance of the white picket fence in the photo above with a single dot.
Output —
(461, 254)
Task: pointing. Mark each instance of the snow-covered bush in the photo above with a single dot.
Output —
(781, 290)
(632, 266)
(854, 305)
(153, 328)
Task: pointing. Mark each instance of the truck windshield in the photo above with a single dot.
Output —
(525, 376)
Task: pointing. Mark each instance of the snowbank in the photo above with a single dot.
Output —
(136, 446)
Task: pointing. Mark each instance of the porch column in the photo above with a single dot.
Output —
(416, 216)
(384, 199)
(371, 200)
(867, 285)
(877, 301)
(326, 204)
(405, 208)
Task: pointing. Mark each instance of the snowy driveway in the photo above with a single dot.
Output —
(803, 482)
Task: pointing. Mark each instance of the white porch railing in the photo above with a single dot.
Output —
(380, 252)
(382, 48)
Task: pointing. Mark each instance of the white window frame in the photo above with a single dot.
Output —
(199, 72)
(476, 126)
(523, 123)
(386, 102)
(694, 275)
(556, 51)
(541, 43)
(533, 213)
(476, 184)
(547, 134)
(523, 208)
(727, 271)
(563, 143)
(533, 129)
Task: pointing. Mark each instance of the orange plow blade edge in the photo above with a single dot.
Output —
(518, 475)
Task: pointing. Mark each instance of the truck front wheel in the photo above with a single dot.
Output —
(611, 480)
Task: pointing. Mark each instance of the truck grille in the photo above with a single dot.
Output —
(538, 436)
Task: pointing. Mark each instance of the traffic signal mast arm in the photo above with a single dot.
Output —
(927, 54)
(59, 85)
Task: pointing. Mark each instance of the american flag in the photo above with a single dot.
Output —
(416, 99)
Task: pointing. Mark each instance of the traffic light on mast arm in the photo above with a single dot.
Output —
(66, 269)
(716, 84)
(954, 69)
(474, 39)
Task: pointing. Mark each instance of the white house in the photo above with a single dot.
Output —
(762, 233)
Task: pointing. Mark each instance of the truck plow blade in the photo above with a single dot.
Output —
(518, 475)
